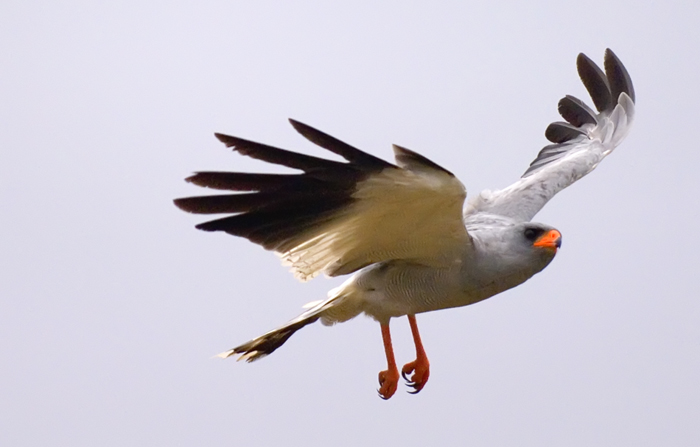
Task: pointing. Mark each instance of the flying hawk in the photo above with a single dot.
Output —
(403, 229)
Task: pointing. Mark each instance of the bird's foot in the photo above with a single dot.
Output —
(388, 382)
(420, 368)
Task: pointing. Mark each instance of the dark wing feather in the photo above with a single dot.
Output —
(243, 181)
(278, 228)
(580, 144)
(603, 87)
(341, 148)
(337, 217)
(559, 132)
(618, 77)
(278, 156)
(409, 159)
(595, 82)
(576, 112)
(284, 205)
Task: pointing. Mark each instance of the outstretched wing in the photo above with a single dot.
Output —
(579, 144)
(338, 217)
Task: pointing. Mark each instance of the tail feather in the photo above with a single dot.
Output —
(267, 343)
(342, 305)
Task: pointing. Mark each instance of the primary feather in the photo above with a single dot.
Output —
(337, 217)
(580, 144)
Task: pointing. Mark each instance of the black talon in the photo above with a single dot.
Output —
(416, 389)
(403, 374)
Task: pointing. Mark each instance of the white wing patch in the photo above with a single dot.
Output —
(397, 214)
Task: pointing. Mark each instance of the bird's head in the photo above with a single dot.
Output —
(531, 246)
(529, 243)
(510, 254)
(541, 237)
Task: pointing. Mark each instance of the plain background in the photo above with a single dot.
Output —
(112, 304)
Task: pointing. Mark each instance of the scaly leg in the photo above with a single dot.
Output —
(389, 379)
(420, 365)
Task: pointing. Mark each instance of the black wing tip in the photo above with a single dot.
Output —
(595, 81)
(196, 179)
(236, 143)
(280, 207)
(414, 160)
(330, 143)
(618, 76)
(210, 179)
(300, 127)
(185, 204)
(226, 139)
(244, 181)
(209, 226)
(611, 54)
(179, 203)
(308, 132)
(576, 112)
(559, 132)
(297, 125)
(194, 205)
(582, 60)
(239, 144)
(604, 88)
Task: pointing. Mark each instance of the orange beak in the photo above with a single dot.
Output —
(551, 240)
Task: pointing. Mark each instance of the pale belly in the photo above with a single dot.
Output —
(397, 289)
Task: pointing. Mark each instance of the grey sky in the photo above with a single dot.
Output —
(111, 303)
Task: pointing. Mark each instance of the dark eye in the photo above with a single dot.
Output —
(531, 234)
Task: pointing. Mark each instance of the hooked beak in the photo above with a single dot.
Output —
(551, 240)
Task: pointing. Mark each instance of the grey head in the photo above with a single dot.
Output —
(515, 250)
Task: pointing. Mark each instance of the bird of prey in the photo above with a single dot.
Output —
(403, 228)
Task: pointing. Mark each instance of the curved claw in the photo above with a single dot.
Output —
(388, 383)
(417, 387)
(421, 372)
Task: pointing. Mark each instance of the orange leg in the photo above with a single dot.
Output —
(420, 367)
(389, 379)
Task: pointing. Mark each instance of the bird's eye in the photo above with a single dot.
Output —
(531, 234)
